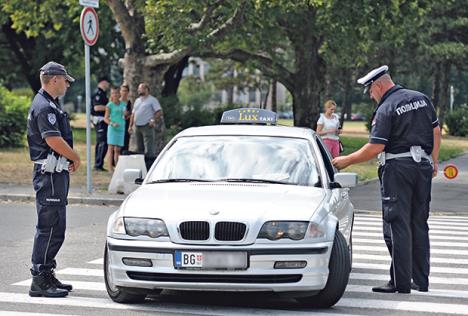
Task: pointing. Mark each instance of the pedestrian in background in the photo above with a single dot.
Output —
(98, 110)
(115, 118)
(146, 115)
(50, 142)
(406, 133)
(124, 90)
(328, 127)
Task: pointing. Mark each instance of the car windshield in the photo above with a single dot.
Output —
(238, 159)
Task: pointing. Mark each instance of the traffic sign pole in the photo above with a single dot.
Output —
(89, 27)
(89, 182)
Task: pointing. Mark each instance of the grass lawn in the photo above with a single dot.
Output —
(16, 167)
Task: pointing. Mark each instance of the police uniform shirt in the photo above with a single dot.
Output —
(404, 118)
(45, 119)
(99, 98)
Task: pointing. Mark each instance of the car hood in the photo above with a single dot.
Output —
(224, 201)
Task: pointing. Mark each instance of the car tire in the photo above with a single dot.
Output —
(116, 293)
(338, 276)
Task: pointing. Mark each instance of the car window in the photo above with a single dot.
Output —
(326, 159)
(282, 159)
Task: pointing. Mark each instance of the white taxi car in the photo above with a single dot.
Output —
(242, 206)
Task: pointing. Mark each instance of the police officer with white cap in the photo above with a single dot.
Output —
(406, 135)
(50, 142)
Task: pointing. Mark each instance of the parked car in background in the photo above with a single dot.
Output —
(286, 115)
(242, 206)
(358, 117)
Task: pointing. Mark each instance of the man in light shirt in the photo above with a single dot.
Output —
(146, 116)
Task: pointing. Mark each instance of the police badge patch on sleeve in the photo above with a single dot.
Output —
(52, 118)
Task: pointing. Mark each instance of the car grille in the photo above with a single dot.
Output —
(214, 278)
(229, 231)
(195, 230)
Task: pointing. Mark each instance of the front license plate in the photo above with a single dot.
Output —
(184, 259)
(227, 260)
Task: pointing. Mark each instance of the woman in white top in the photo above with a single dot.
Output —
(328, 127)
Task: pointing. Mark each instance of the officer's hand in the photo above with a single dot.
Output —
(152, 123)
(74, 166)
(341, 162)
(435, 169)
(130, 130)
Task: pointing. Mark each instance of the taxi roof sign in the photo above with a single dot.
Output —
(249, 116)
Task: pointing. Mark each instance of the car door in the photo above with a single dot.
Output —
(342, 206)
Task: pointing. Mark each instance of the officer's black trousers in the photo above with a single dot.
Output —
(51, 199)
(406, 194)
(101, 145)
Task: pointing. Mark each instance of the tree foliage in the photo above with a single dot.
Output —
(35, 32)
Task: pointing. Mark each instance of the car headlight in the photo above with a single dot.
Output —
(145, 226)
(275, 230)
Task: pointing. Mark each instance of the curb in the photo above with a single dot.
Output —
(71, 199)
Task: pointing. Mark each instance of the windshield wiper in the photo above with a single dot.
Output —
(178, 180)
(254, 181)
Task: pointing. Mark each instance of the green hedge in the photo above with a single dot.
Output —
(13, 117)
(457, 122)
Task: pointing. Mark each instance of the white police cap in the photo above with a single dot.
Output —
(372, 76)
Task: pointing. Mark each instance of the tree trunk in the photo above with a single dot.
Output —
(444, 91)
(230, 95)
(135, 72)
(436, 85)
(173, 76)
(347, 95)
(307, 88)
(274, 97)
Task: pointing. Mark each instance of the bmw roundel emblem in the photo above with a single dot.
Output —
(214, 212)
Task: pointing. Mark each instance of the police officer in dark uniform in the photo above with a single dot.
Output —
(98, 110)
(406, 135)
(50, 142)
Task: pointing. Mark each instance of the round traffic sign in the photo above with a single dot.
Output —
(89, 26)
(450, 172)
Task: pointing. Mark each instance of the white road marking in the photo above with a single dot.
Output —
(433, 243)
(148, 306)
(433, 250)
(11, 313)
(432, 237)
(451, 309)
(431, 232)
(97, 261)
(79, 271)
(377, 266)
(432, 280)
(77, 285)
(432, 293)
(386, 258)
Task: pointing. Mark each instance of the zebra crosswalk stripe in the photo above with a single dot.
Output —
(448, 282)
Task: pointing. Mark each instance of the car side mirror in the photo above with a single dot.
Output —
(346, 179)
(133, 176)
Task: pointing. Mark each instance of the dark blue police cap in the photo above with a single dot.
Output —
(372, 76)
(52, 68)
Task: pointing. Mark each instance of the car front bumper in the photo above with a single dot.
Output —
(260, 274)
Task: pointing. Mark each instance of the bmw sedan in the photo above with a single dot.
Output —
(242, 206)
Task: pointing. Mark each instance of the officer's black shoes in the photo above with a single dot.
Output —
(41, 286)
(57, 283)
(389, 288)
(416, 287)
(100, 169)
(386, 288)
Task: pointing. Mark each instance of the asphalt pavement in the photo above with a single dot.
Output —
(447, 195)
